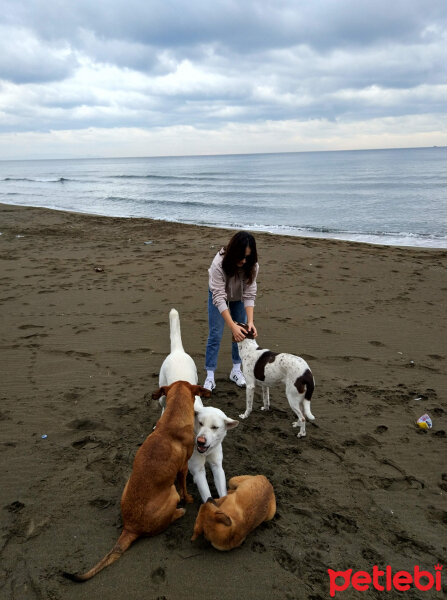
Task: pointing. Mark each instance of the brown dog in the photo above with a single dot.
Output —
(226, 522)
(149, 500)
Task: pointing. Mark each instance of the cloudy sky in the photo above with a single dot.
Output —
(81, 78)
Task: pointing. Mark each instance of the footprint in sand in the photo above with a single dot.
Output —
(340, 522)
(436, 357)
(72, 396)
(438, 516)
(6, 445)
(78, 354)
(363, 440)
(89, 441)
(83, 424)
(159, 575)
(285, 561)
(100, 503)
(289, 482)
(372, 557)
(398, 484)
(381, 429)
(403, 540)
(34, 335)
(15, 507)
(258, 547)
(122, 409)
(110, 475)
(306, 492)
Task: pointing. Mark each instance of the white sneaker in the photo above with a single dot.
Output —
(209, 384)
(238, 378)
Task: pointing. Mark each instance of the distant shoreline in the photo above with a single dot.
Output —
(300, 234)
(387, 197)
(168, 156)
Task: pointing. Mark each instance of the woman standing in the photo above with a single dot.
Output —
(231, 299)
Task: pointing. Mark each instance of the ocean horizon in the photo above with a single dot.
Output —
(388, 196)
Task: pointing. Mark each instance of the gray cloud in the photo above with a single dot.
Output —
(24, 58)
(241, 26)
(136, 63)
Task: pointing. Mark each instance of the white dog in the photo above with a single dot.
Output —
(269, 368)
(211, 424)
(177, 366)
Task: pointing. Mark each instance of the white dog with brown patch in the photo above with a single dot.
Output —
(268, 368)
(211, 424)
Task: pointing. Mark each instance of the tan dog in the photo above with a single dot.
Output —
(226, 522)
(149, 500)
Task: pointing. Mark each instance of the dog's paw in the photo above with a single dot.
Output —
(265, 407)
(301, 435)
(243, 416)
(296, 424)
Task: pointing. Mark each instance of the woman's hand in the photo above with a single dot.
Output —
(238, 332)
(252, 328)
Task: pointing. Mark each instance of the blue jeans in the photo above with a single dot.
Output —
(216, 325)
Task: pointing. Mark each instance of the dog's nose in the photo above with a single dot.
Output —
(201, 440)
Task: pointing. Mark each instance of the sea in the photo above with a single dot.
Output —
(387, 197)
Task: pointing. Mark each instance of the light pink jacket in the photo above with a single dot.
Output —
(225, 289)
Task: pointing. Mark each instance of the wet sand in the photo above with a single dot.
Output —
(84, 308)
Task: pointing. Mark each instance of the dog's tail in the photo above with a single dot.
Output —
(306, 381)
(176, 334)
(124, 541)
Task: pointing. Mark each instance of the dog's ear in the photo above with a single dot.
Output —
(223, 518)
(230, 423)
(248, 334)
(163, 391)
(198, 390)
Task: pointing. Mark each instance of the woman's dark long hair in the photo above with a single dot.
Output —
(235, 252)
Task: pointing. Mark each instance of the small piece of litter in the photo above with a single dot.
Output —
(99, 269)
(424, 422)
(44, 436)
(147, 243)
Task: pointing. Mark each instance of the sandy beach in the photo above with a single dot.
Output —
(84, 313)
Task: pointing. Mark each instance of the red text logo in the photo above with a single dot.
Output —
(385, 580)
